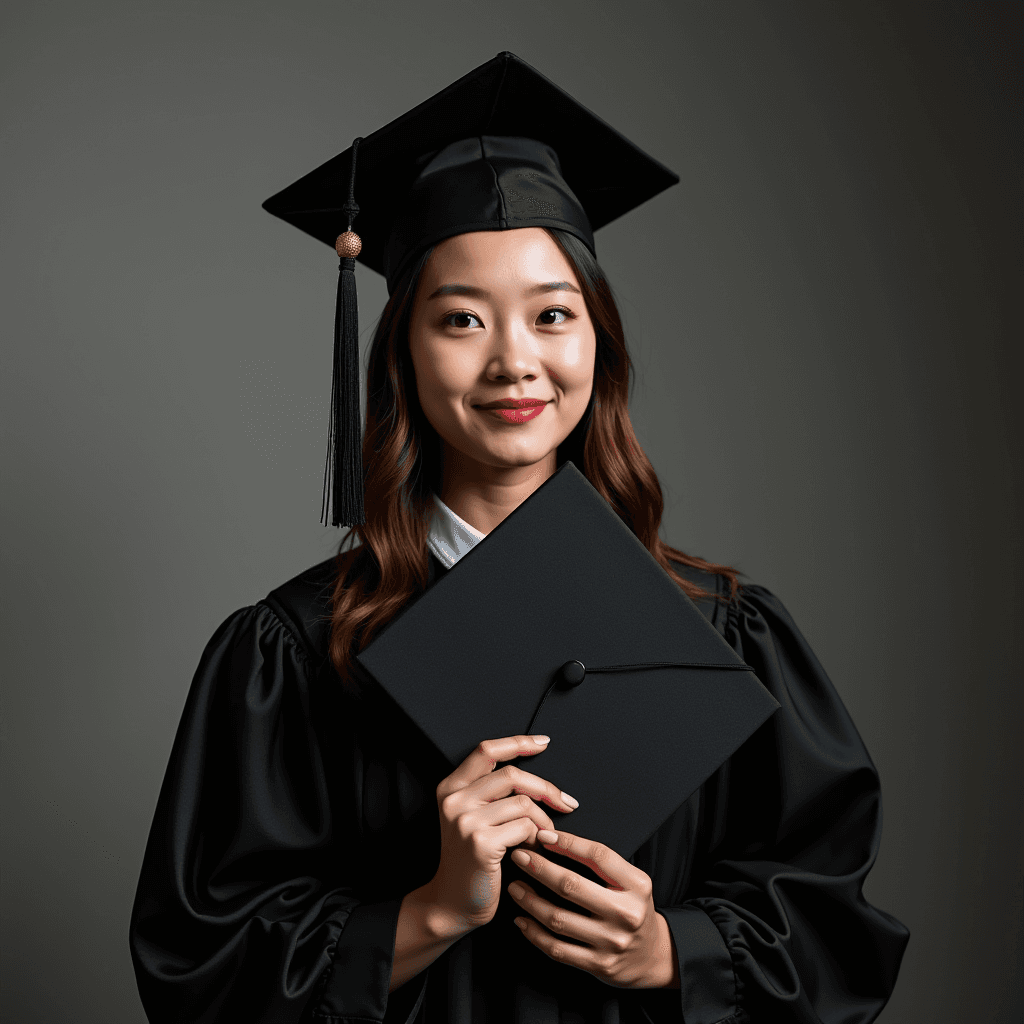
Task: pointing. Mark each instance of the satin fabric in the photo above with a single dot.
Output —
(483, 183)
(292, 819)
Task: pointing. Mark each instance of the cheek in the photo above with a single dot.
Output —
(441, 378)
(575, 366)
(572, 356)
(429, 376)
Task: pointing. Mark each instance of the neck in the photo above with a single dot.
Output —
(484, 495)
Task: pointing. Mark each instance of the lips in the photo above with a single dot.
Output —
(515, 410)
(514, 403)
(521, 415)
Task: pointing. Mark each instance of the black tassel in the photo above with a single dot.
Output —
(343, 482)
(343, 475)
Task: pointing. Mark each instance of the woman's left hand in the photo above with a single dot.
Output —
(627, 943)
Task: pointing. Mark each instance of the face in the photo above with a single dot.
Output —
(502, 347)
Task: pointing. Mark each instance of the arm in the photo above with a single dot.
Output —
(768, 919)
(261, 897)
(425, 930)
(243, 909)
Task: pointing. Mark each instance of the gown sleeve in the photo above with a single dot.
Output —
(775, 927)
(241, 912)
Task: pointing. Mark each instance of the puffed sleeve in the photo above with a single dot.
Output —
(242, 911)
(774, 926)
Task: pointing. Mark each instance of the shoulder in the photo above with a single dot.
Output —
(303, 605)
(759, 627)
(754, 607)
(714, 607)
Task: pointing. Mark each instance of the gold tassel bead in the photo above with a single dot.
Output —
(349, 244)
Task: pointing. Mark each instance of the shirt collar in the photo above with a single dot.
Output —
(450, 537)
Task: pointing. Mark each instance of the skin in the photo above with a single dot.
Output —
(500, 315)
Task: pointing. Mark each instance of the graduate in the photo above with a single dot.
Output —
(316, 855)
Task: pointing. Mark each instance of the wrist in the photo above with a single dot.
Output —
(666, 970)
(438, 921)
(423, 932)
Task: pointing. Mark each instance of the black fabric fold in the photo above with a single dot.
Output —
(357, 982)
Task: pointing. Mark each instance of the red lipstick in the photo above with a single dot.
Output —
(516, 410)
(529, 412)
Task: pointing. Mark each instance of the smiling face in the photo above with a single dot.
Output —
(503, 350)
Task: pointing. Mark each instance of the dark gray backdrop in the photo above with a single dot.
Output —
(824, 334)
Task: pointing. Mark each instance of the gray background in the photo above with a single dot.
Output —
(827, 355)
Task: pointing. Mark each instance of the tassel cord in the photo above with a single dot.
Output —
(343, 499)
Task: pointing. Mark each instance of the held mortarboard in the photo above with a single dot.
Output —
(501, 148)
(561, 622)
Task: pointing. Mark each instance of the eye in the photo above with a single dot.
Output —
(556, 315)
(461, 320)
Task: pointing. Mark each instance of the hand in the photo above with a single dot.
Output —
(627, 943)
(484, 812)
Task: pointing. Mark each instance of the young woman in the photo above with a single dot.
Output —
(314, 858)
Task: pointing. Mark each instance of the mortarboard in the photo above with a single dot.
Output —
(501, 148)
(561, 622)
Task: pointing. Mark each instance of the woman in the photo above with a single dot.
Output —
(313, 858)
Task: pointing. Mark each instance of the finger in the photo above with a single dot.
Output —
(601, 859)
(512, 779)
(511, 834)
(499, 811)
(559, 950)
(486, 755)
(591, 930)
(582, 891)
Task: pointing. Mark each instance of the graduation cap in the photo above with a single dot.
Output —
(561, 622)
(501, 148)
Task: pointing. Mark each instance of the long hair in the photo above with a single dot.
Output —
(402, 463)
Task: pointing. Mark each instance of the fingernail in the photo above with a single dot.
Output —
(521, 923)
(570, 800)
(516, 891)
(521, 857)
(541, 740)
(546, 836)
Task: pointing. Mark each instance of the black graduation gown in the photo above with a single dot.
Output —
(292, 820)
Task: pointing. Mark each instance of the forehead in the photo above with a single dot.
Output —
(529, 255)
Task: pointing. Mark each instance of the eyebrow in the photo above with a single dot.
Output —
(481, 293)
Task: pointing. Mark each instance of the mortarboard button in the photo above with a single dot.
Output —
(573, 673)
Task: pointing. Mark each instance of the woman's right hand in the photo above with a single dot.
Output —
(484, 812)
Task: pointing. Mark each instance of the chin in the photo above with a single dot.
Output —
(517, 459)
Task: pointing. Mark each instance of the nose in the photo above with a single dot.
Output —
(514, 354)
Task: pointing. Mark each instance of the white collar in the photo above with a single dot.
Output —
(449, 536)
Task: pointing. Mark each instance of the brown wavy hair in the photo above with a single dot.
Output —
(402, 463)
